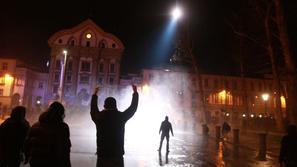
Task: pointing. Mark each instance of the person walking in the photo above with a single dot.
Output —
(288, 150)
(110, 125)
(48, 142)
(165, 128)
(12, 135)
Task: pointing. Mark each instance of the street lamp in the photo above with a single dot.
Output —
(265, 98)
(176, 13)
(62, 77)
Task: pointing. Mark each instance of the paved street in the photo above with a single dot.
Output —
(186, 149)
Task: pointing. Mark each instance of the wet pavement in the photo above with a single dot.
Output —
(187, 149)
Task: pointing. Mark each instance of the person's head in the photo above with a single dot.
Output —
(56, 112)
(291, 130)
(166, 118)
(110, 103)
(18, 113)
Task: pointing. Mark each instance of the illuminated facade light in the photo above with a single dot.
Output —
(260, 116)
(243, 115)
(227, 114)
(265, 96)
(252, 115)
(283, 102)
(88, 36)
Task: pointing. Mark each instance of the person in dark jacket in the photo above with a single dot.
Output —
(48, 142)
(288, 150)
(12, 135)
(110, 124)
(165, 128)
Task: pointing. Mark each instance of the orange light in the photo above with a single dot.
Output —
(283, 101)
(145, 89)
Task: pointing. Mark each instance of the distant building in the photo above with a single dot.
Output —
(93, 59)
(226, 98)
(21, 84)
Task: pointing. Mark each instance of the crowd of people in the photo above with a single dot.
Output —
(47, 142)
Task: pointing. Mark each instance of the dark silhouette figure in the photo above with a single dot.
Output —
(12, 135)
(48, 143)
(165, 128)
(110, 124)
(288, 150)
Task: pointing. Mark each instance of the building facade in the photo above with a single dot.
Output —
(93, 59)
(21, 85)
(225, 98)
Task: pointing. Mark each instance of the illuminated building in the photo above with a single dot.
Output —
(228, 98)
(21, 84)
(93, 58)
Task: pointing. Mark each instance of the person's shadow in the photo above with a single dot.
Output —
(160, 158)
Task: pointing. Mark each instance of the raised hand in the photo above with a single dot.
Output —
(96, 90)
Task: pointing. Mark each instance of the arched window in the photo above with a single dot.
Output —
(72, 42)
(60, 41)
(88, 44)
(113, 45)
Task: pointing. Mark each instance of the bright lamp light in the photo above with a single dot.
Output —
(176, 13)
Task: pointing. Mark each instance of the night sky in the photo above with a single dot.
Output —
(26, 26)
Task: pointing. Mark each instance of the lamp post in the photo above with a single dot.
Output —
(62, 76)
(265, 98)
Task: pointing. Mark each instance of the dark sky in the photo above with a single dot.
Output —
(26, 26)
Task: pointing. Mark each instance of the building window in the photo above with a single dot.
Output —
(234, 85)
(252, 86)
(68, 78)
(40, 85)
(72, 43)
(101, 67)
(57, 77)
(205, 83)
(84, 78)
(227, 84)
(55, 88)
(1, 92)
(111, 68)
(85, 66)
(69, 66)
(2, 80)
(113, 45)
(19, 82)
(58, 65)
(216, 84)
(260, 86)
(4, 66)
(88, 44)
(102, 45)
(100, 81)
(60, 41)
(111, 81)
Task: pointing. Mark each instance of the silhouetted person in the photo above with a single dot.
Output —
(110, 124)
(288, 150)
(48, 143)
(12, 135)
(165, 128)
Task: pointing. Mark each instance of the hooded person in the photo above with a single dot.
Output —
(288, 150)
(12, 135)
(110, 124)
(48, 141)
